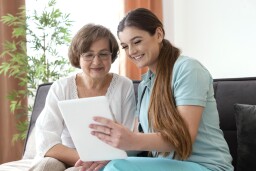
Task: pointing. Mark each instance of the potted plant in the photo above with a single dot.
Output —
(38, 39)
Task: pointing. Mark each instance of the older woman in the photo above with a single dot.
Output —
(93, 50)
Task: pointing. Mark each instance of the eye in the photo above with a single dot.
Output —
(102, 55)
(137, 41)
(88, 55)
(124, 47)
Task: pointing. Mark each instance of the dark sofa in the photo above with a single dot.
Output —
(228, 92)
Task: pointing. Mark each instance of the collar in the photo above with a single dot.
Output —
(148, 79)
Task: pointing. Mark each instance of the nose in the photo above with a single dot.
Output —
(132, 50)
(96, 59)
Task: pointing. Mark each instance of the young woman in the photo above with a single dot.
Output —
(93, 50)
(176, 107)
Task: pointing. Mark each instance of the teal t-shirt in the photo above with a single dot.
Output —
(192, 84)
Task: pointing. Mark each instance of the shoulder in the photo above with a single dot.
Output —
(63, 83)
(189, 65)
(185, 62)
(120, 85)
(189, 70)
(122, 80)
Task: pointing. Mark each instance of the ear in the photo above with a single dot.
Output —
(159, 34)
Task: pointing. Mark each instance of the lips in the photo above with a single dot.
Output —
(137, 57)
(96, 69)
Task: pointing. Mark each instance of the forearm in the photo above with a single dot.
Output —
(67, 155)
(151, 142)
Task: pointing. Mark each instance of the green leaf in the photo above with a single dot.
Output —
(19, 32)
(4, 68)
(13, 106)
(22, 129)
(8, 19)
(43, 34)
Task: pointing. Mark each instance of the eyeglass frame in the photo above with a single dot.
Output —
(99, 54)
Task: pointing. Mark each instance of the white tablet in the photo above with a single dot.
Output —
(78, 114)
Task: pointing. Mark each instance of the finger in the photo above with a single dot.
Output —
(78, 163)
(86, 165)
(101, 128)
(100, 165)
(104, 121)
(103, 137)
(93, 166)
(82, 169)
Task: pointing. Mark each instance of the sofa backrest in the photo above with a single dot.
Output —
(227, 92)
(29, 147)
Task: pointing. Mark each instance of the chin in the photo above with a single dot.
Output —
(140, 65)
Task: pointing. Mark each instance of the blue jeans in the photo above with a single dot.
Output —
(152, 164)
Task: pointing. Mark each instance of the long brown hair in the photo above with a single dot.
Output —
(163, 115)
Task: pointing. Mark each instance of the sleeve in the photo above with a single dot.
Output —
(191, 84)
(50, 124)
(128, 106)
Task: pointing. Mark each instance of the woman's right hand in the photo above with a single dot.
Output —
(113, 134)
(91, 166)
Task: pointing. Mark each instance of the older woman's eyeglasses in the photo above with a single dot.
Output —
(89, 56)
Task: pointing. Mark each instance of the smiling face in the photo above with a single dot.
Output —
(97, 68)
(141, 47)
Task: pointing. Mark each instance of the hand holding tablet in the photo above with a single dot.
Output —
(78, 115)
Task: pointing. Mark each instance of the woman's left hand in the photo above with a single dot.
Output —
(91, 166)
(113, 133)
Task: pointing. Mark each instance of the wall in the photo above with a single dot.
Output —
(221, 34)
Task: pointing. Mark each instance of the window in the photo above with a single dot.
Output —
(105, 12)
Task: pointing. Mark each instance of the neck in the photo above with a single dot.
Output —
(88, 87)
(95, 84)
